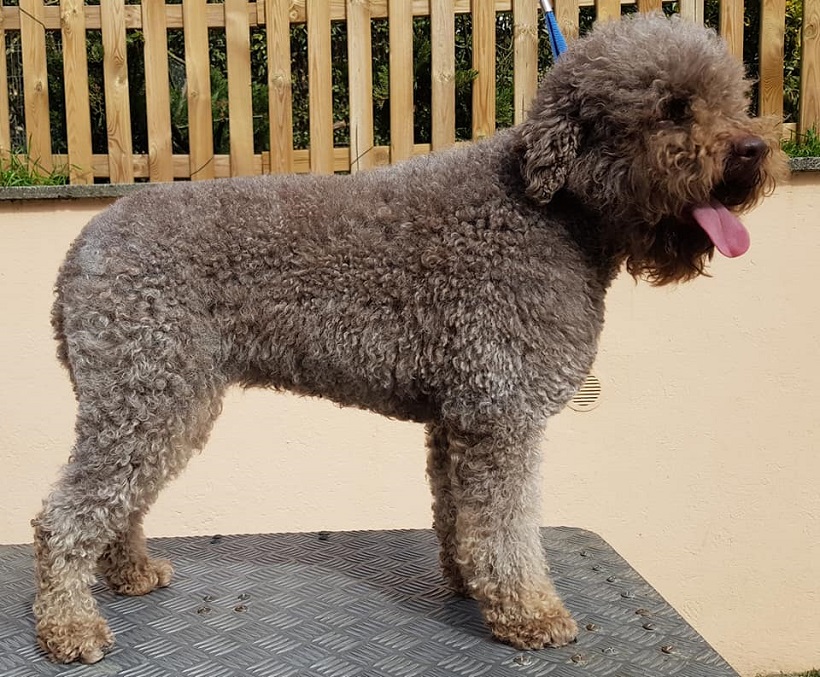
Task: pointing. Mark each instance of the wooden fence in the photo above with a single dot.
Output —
(74, 20)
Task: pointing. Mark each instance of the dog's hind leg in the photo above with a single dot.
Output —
(125, 562)
(143, 408)
(440, 475)
(126, 565)
(93, 517)
(498, 545)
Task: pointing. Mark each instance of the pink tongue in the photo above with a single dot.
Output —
(728, 234)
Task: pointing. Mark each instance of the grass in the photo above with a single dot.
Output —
(804, 145)
(19, 170)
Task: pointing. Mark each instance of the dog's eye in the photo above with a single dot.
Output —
(677, 109)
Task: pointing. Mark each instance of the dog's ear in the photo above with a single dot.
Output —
(551, 139)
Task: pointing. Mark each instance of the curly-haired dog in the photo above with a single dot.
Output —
(463, 290)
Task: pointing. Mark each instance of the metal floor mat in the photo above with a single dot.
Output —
(347, 604)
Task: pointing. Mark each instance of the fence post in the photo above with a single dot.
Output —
(280, 95)
(117, 106)
(75, 79)
(400, 28)
(484, 64)
(5, 115)
(525, 56)
(240, 107)
(692, 10)
(650, 5)
(810, 69)
(320, 84)
(567, 12)
(731, 25)
(157, 96)
(607, 10)
(35, 82)
(198, 76)
(772, 31)
(443, 77)
(360, 67)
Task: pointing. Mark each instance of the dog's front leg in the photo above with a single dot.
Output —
(496, 489)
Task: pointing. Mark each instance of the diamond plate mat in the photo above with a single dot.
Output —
(355, 604)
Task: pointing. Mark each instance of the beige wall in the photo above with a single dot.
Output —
(700, 465)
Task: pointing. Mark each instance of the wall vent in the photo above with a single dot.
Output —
(588, 396)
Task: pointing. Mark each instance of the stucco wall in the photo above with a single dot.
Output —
(700, 465)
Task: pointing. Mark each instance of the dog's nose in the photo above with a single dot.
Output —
(749, 148)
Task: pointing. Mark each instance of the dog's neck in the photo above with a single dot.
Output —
(589, 231)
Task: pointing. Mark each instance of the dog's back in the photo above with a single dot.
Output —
(396, 291)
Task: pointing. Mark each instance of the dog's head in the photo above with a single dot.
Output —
(645, 121)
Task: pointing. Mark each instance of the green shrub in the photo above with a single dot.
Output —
(803, 145)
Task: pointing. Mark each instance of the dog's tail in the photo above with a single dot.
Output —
(58, 327)
(57, 320)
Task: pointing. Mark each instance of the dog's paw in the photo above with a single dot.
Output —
(68, 639)
(139, 578)
(531, 628)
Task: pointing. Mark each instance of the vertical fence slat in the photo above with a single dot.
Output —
(75, 78)
(607, 10)
(567, 13)
(810, 69)
(731, 26)
(198, 75)
(5, 118)
(35, 82)
(443, 66)
(772, 32)
(693, 10)
(484, 64)
(320, 84)
(400, 13)
(360, 60)
(117, 106)
(525, 56)
(240, 107)
(280, 95)
(157, 95)
(650, 5)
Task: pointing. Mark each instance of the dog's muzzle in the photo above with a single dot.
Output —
(741, 171)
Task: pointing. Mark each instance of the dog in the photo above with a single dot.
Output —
(462, 290)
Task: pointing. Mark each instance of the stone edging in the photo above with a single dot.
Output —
(115, 190)
(805, 164)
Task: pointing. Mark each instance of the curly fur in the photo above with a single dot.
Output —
(464, 290)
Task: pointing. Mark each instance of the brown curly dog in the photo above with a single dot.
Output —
(463, 290)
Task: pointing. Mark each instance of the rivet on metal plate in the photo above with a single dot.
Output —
(609, 651)
(208, 598)
(216, 538)
(244, 596)
(592, 627)
(324, 535)
(643, 612)
(611, 579)
(203, 610)
(523, 659)
(584, 553)
(578, 658)
(648, 626)
(627, 594)
(668, 648)
(240, 608)
(596, 567)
